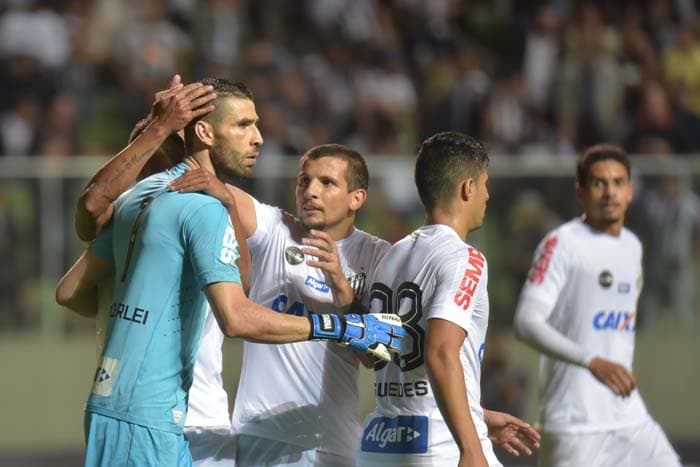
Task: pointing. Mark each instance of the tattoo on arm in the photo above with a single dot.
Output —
(127, 164)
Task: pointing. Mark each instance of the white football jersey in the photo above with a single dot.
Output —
(593, 281)
(431, 273)
(304, 393)
(208, 400)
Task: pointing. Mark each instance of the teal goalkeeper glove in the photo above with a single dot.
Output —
(376, 333)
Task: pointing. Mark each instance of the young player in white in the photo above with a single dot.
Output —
(428, 408)
(578, 307)
(298, 404)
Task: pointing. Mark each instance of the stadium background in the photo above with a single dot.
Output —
(536, 80)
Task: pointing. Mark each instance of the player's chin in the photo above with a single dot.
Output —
(245, 171)
(312, 224)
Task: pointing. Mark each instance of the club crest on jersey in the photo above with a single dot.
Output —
(404, 434)
(294, 255)
(605, 279)
(357, 282)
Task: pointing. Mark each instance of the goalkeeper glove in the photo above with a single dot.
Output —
(376, 333)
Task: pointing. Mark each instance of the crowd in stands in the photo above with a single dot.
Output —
(526, 76)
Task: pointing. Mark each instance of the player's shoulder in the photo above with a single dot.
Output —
(630, 238)
(445, 245)
(367, 240)
(572, 229)
(566, 233)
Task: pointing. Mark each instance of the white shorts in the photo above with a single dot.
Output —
(254, 451)
(211, 446)
(643, 445)
(365, 459)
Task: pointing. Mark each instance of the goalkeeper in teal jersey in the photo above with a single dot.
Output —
(169, 252)
(167, 247)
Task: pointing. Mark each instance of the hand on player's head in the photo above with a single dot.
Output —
(176, 107)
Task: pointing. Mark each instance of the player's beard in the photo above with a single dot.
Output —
(228, 162)
(315, 225)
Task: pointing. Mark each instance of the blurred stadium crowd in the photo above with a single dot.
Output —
(527, 77)
(379, 75)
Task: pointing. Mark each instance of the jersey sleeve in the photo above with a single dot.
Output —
(211, 244)
(102, 244)
(550, 270)
(266, 217)
(378, 254)
(461, 287)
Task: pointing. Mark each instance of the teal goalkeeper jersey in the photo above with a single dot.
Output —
(166, 247)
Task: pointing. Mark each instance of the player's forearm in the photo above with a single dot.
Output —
(344, 297)
(112, 179)
(82, 301)
(531, 327)
(243, 261)
(240, 317)
(447, 382)
(259, 324)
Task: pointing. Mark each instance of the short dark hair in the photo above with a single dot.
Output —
(597, 153)
(357, 175)
(444, 160)
(224, 89)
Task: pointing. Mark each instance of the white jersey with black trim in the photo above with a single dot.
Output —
(592, 280)
(431, 273)
(305, 393)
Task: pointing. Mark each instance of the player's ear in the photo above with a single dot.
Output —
(204, 132)
(467, 188)
(580, 191)
(357, 199)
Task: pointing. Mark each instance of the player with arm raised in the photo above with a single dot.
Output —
(170, 250)
(578, 307)
(296, 401)
(428, 400)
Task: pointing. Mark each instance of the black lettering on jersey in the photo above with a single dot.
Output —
(125, 312)
(396, 389)
(421, 388)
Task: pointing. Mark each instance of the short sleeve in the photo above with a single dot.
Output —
(210, 242)
(266, 218)
(549, 272)
(461, 287)
(381, 247)
(102, 245)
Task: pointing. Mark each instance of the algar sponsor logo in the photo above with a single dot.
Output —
(317, 284)
(382, 434)
(402, 434)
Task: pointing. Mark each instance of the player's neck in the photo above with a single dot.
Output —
(199, 159)
(612, 229)
(191, 162)
(439, 216)
(340, 231)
